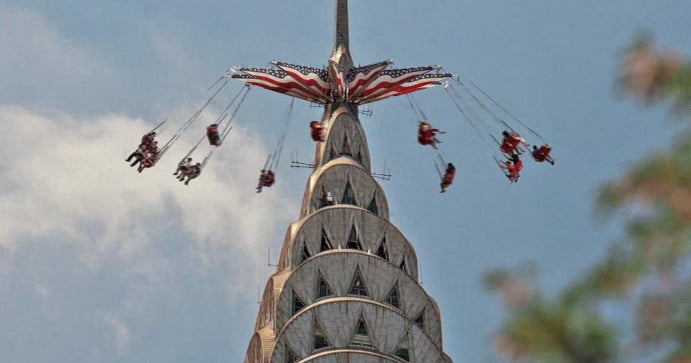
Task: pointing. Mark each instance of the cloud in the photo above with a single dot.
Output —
(66, 177)
(86, 233)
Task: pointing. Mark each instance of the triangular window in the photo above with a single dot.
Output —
(345, 149)
(353, 240)
(403, 350)
(372, 207)
(332, 153)
(394, 297)
(358, 157)
(325, 244)
(420, 320)
(348, 195)
(361, 336)
(383, 251)
(291, 357)
(298, 304)
(323, 288)
(319, 337)
(402, 266)
(305, 253)
(357, 286)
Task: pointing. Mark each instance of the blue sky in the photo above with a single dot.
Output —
(101, 264)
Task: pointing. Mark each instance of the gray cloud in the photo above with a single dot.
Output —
(83, 234)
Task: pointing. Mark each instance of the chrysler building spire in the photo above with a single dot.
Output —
(346, 288)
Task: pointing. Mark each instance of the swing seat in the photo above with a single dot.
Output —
(212, 135)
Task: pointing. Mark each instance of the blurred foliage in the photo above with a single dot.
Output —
(653, 75)
(650, 268)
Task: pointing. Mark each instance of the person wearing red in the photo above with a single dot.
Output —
(512, 143)
(149, 160)
(318, 132)
(152, 148)
(145, 147)
(267, 178)
(148, 138)
(448, 177)
(212, 135)
(513, 168)
(270, 178)
(543, 154)
(427, 135)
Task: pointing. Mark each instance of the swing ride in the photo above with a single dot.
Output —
(494, 125)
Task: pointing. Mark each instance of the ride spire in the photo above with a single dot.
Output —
(341, 51)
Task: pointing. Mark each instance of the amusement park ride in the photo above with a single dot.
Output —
(341, 83)
(346, 287)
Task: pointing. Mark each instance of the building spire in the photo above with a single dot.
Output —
(341, 52)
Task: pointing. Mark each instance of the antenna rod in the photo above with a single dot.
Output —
(342, 37)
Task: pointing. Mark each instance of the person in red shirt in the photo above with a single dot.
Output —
(267, 178)
(448, 177)
(212, 135)
(427, 135)
(513, 168)
(511, 144)
(318, 132)
(146, 146)
(543, 154)
(148, 139)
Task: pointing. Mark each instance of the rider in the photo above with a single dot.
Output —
(149, 156)
(212, 135)
(148, 139)
(137, 154)
(183, 167)
(448, 177)
(543, 154)
(318, 132)
(144, 146)
(513, 168)
(193, 172)
(266, 179)
(512, 143)
(427, 135)
(152, 148)
(270, 178)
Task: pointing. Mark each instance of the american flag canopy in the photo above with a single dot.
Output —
(278, 80)
(360, 77)
(388, 80)
(314, 78)
(337, 79)
(360, 85)
(416, 84)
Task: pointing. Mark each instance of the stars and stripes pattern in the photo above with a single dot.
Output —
(360, 85)
(388, 80)
(416, 84)
(254, 81)
(337, 78)
(314, 78)
(360, 77)
(278, 80)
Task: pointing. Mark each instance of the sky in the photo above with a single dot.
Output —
(101, 264)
